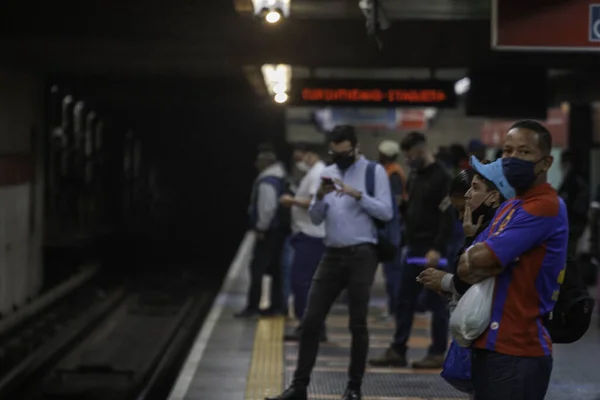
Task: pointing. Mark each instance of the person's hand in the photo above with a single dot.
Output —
(469, 228)
(466, 274)
(343, 189)
(324, 189)
(433, 258)
(287, 200)
(431, 278)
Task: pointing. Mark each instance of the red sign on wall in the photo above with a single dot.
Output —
(572, 25)
(493, 131)
(15, 169)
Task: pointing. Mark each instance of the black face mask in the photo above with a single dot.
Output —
(520, 174)
(416, 163)
(344, 160)
(485, 210)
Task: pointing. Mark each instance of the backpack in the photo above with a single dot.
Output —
(282, 220)
(388, 233)
(572, 313)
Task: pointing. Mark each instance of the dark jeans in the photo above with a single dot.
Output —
(406, 302)
(266, 259)
(287, 257)
(392, 272)
(352, 268)
(308, 253)
(501, 377)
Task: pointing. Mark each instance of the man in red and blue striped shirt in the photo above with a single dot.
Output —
(525, 247)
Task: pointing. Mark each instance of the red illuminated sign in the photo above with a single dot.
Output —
(397, 94)
(572, 25)
(375, 95)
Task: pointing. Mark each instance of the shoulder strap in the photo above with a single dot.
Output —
(274, 181)
(370, 178)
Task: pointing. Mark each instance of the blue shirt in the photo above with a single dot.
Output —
(349, 222)
(528, 236)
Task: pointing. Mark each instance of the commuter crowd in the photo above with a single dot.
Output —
(488, 247)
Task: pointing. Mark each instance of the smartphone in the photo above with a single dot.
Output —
(327, 181)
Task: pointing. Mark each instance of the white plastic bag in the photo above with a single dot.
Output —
(473, 312)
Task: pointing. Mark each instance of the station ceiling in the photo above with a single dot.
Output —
(218, 37)
(396, 10)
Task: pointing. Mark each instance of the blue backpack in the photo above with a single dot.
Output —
(388, 233)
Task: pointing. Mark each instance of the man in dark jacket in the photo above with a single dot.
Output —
(429, 221)
(574, 190)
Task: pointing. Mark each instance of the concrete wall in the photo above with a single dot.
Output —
(21, 187)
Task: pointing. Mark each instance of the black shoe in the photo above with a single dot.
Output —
(270, 312)
(391, 358)
(292, 393)
(430, 362)
(246, 313)
(352, 394)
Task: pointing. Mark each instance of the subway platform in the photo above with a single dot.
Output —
(248, 360)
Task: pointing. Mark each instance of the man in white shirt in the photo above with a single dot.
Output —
(307, 238)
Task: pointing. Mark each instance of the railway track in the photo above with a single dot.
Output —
(124, 342)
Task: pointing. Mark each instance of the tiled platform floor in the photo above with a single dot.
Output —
(236, 360)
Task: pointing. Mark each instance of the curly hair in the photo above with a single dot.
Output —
(461, 183)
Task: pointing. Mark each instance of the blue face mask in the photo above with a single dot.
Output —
(519, 173)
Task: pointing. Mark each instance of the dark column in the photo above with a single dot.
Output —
(580, 135)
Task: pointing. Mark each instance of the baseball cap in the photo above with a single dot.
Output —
(389, 148)
(493, 173)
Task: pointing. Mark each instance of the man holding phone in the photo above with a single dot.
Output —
(350, 259)
(307, 238)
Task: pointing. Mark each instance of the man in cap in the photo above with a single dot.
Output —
(388, 155)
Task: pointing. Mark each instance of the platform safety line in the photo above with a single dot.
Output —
(265, 377)
(188, 371)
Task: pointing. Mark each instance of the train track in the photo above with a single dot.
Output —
(126, 342)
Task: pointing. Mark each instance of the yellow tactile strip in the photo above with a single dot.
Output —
(266, 368)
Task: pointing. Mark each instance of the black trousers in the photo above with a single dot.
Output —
(407, 296)
(503, 377)
(352, 268)
(266, 259)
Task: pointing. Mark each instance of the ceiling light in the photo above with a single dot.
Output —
(278, 78)
(272, 11)
(273, 17)
(279, 88)
(462, 86)
(281, 97)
